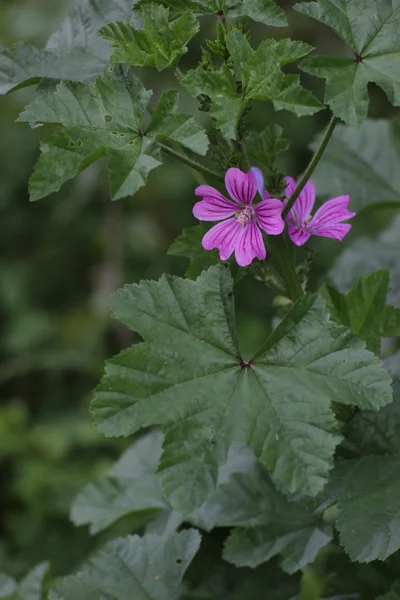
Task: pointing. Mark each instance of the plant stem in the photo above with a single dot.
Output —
(284, 263)
(190, 162)
(178, 73)
(310, 169)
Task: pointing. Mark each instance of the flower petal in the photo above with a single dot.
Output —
(214, 208)
(223, 236)
(250, 245)
(290, 186)
(259, 179)
(331, 212)
(336, 231)
(242, 187)
(304, 203)
(269, 216)
(298, 236)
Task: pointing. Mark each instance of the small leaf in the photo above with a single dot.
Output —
(189, 377)
(131, 487)
(266, 145)
(188, 244)
(31, 587)
(364, 309)
(372, 35)
(147, 568)
(105, 119)
(159, 44)
(363, 163)
(8, 586)
(75, 52)
(368, 520)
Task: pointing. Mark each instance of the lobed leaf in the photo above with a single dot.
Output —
(159, 44)
(199, 388)
(105, 119)
(147, 568)
(188, 245)
(371, 33)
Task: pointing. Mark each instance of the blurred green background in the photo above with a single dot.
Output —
(60, 260)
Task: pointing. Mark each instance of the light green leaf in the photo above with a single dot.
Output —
(262, 77)
(105, 119)
(159, 44)
(264, 11)
(31, 587)
(147, 568)
(267, 523)
(8, 586)
(266, 145)
(75, 52)
(371, 33)
(188, 245)
(189, 377)
(131, 487)
(368, 495)
(364, 309)
(220, 86)
(363, 163)
(376, 432)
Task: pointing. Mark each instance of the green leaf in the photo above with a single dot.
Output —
(371, 33)
(189, 377)
(130, 487)
(266, 145)
(75, 52)
(105, 119)
(262, 77)
(264, 11)
(29, 588)
(364, 309)
(188, 244)
(8, 586)
(147, 568)
(267, 522)
(393, 593)
(368, 494)
(159, 44)
(363, 163)
(220, 86)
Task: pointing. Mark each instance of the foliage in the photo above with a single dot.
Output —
(261, 405)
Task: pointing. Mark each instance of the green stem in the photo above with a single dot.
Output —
(190, 162)
(284, 263)
(310, 169)
(178, 73)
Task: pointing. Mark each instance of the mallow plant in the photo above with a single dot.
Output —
(270, 475)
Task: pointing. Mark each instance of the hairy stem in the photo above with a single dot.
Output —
(310, 169)
(190, 162)
(178, 73)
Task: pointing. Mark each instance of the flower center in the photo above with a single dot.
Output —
(245, 215)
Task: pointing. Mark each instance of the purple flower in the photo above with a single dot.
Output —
(240, 233)
(327, 220)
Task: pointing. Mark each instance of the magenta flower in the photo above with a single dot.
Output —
(327, 220)
(240, 233)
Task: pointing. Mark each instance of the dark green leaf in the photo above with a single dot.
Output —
(368, 494)
(266, 145)
(371, 33)
(159, 44)
(364, 309)
(188, 244)
(105, 119)
(363, 163)
(189, 377)
(147, 568)
(130, 487)
(75, 52)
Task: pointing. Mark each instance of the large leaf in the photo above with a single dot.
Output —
(368, 494)
(363, 163)
(190, 377)
(105, 119)
(364, 309)
(131, 487)
(147, 568)
(267, 522)
(75, 52)
(370, 31)
(264, 11)
(159, 44)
